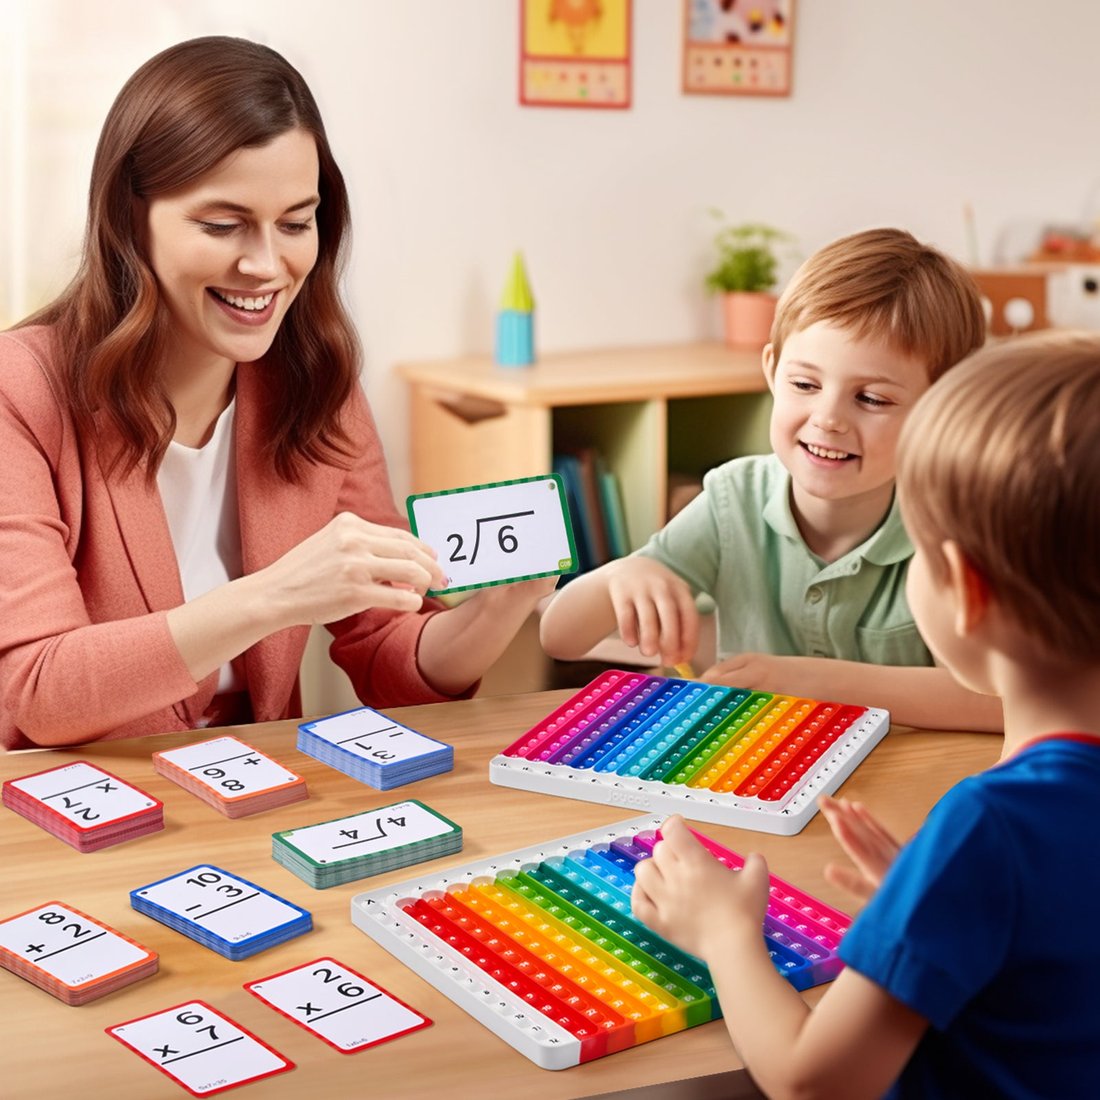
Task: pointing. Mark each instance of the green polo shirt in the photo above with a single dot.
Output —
(738, 542)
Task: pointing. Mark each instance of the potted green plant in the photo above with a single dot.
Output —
(745, 274)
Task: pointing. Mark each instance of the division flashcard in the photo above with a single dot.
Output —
(494, 534)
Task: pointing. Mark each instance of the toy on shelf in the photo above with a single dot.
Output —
(726, 755)
(515, 345)
(541, 947)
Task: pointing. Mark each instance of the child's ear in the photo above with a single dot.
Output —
(767, 361)
(969, 588)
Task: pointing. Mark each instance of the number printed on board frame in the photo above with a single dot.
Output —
(498, 533)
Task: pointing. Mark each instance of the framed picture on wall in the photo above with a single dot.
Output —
(575, 53)
(737, 47)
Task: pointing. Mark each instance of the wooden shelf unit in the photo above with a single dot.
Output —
(649, 410)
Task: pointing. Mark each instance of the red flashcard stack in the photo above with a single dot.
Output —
(83, 805)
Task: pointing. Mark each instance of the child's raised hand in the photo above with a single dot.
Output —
(871, 848)
(684, 894)
(654, 609)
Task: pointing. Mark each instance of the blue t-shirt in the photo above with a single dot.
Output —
(988, 925)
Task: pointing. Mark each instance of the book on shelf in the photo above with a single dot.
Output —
(595, 505)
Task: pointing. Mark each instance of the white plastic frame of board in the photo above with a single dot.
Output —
(378, 914)
(783, 817)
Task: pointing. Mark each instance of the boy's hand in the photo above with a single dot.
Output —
(684, 894)
(871, 848)
(766, 672)
(654, 609)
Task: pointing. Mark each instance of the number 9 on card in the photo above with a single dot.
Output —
(499, 533)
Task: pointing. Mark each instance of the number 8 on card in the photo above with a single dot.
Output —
(498, 533)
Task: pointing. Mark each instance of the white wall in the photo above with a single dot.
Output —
(901, 113)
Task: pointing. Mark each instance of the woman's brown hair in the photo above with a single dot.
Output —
(179, 115)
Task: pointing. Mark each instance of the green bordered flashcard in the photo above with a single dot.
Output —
(499, 533)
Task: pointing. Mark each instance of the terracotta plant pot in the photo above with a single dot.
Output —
(748, 317)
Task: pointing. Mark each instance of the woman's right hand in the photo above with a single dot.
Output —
(348, 566)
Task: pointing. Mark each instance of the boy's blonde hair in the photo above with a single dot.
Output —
(1003, 457)
(884, 284)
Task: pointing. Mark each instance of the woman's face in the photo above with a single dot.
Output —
(231, 250)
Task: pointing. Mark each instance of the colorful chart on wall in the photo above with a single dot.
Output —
(738, 47)
(574, 53)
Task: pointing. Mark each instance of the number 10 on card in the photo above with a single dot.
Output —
(495, 534)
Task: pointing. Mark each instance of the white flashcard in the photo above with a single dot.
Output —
(339, 1005)
(372, 736)
(230, 768)
(84, 796)
(68, 945)
(368, 833)
(220, 904)
(495, 534)
(199, 1048)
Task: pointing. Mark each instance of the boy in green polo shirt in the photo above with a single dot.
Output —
(803, 550)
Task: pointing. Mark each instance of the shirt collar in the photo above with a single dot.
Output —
(888, 544)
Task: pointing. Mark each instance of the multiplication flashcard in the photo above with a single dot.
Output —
(83, 805)
(231, 776)
(71, 955)
(199, 1048)
(494, 534)
(338, 1004)
(224, 912)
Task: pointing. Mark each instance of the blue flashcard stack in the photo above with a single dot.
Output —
(230, 915)
(374, 749)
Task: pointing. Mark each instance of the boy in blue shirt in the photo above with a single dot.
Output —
(973, 969)
(803, 550)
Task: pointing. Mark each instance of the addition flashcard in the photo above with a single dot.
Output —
(83, 805)
(338, 1004)
(348, 848)
(199, 1048)
(70, 955)
(374, 749)
(228, 914)
(494, 534)
(231, 776)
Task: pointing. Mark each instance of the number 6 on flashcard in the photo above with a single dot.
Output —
(494, 534)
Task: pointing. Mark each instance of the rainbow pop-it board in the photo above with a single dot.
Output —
(540, 945)
(725, 755)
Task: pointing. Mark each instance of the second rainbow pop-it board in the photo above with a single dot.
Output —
(730, 756)
(540, 945)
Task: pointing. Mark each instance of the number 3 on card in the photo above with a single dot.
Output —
(494, 534)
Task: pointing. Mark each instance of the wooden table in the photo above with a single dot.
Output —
(51, 1050)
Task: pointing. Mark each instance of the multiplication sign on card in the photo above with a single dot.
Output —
(494, 534)
(200, 1048)
(339, 1005)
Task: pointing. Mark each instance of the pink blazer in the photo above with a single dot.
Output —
(88, 571)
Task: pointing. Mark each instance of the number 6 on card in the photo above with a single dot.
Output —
(495, 534)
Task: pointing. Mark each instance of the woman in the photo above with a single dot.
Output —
(191, 474)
